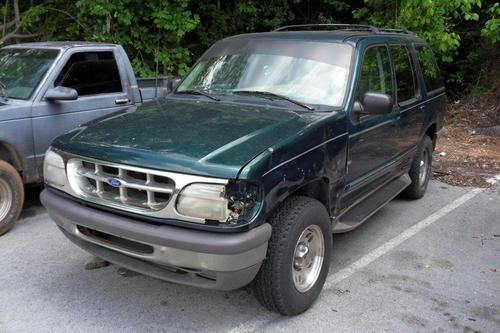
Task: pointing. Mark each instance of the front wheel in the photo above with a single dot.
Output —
(11, 196)
(420, 171)
(298, 257)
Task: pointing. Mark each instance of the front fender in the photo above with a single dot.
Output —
(318, 152)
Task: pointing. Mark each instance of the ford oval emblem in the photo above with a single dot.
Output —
(115, 182)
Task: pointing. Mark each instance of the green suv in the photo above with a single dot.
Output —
(270, 144)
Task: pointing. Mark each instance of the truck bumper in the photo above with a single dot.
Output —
(185, 256)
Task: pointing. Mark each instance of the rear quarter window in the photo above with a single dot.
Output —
(430, 70)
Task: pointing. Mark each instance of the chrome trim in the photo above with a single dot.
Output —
(409, 108)
(79, 177)
(149, 208)
(303, 153)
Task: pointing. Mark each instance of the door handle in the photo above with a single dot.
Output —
(122, 101)
(421, 107)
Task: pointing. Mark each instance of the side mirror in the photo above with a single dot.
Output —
(60, 93)
(374, 103)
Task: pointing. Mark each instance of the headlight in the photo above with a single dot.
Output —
(236, 202)
(206, 201)
(54, 172)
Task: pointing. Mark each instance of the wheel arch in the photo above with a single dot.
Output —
(431, 132)
(9, 154)
(316, 189)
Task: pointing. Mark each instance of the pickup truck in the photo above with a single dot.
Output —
(271, 143)
(49, 88)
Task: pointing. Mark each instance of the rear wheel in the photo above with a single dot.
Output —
(298, 257)
(11, 196)
(420, 171)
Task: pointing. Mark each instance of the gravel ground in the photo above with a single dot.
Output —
(431, 265)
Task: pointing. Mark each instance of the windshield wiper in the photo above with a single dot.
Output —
(198, 92)
(3, 91)
(271, 94)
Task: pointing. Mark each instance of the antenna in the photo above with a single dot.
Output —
(156, 70)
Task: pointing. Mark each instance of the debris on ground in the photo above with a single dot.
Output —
(96, 263)
(468, 152)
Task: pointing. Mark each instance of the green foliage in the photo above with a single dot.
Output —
(151, 31)
(491, 28)
(173, 33)
(434, 20)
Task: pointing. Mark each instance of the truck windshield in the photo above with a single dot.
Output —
(307, 72)
(21, 70)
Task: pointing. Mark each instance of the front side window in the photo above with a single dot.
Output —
(90, 73)
(312, 73)
(405, 78)
(375, 72)
(430, 70)
(22, 69)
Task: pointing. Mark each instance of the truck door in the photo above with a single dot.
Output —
(97, 78)
(408, 98)
(372, 137)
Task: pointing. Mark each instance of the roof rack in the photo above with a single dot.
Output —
(352, 27)
(397, 31)
(325, 26)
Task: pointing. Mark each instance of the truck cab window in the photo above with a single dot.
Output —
(405, 76)
(375, 72)
(90, 73)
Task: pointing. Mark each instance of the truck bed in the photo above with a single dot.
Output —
(154, 87)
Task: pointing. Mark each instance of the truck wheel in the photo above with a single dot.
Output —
(420, 171)
(298, 257)
(11, 196)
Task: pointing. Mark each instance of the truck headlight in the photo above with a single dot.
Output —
(54, 172)
(205, 201)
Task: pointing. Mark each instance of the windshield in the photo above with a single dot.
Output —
(22, 69)
(307, 72)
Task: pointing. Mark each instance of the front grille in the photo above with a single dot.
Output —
(122, 185)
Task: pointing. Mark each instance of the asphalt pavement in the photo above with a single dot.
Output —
(431, 265)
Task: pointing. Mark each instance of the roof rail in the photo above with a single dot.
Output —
(361, 27)
(397, 31)
(338, 26)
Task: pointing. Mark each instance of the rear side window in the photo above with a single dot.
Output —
(90, 73)
(405, 78)
(430, 70)
(375, 72)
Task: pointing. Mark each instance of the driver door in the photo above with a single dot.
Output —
(372, 137)
(97, 79)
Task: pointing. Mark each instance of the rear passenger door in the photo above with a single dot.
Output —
(408, 99)
(433, 83)
(96, 76)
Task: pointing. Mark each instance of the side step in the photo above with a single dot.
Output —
(359, 213)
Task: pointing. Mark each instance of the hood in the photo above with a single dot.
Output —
(204, 138)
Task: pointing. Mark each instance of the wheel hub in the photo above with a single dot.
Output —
(303, 257)
(308, 258)
(424, 161)
(5, 198)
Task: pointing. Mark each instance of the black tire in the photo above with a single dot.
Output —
(274, 285)
(11, 196)
(418, 186)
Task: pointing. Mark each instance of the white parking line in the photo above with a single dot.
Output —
(257, 323)
(396, 241)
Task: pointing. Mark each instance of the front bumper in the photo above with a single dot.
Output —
(191, 257)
